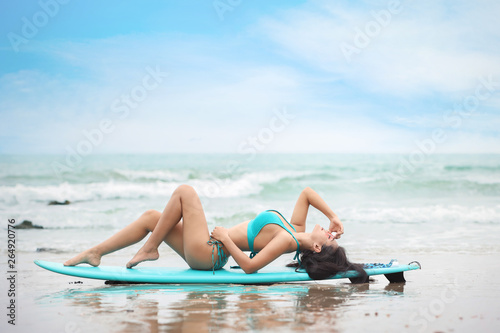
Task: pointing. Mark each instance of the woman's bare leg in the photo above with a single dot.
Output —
(184, 204)
(187, 239)
(129, 235)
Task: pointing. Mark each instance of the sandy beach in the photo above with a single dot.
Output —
(452, 293)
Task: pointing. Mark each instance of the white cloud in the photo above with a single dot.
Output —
(204, 96)
(428, 47)
(345, 134)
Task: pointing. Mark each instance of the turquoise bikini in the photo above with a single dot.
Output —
(254, 227)
(222, 258)
(263, 219)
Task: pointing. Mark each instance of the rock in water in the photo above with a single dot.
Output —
(65, 202)
(27, 225)
(48, 249)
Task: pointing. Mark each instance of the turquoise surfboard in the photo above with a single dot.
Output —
(176, 275)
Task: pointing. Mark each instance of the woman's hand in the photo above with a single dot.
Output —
(336, 226)
(220, 234)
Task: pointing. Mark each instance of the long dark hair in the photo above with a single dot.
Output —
(328, 262)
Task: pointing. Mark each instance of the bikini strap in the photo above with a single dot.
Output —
(273, 210)
(297, 257)
(222, 258)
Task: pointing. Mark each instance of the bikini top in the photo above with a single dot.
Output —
(263, 219)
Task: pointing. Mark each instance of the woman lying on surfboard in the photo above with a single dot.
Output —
(183, 226)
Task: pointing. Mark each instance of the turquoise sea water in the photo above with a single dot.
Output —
(387, 203)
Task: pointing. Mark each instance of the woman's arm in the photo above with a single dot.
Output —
(276, 247)
(310, 197)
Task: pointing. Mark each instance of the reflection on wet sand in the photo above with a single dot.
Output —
(203, 308)
(395, 287)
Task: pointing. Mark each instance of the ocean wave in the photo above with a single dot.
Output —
(86, 176)
(311, 176)
(127, 184)
(472, 185)
(138, 188)
(152, 175)
(23, 194)
(428, 214)
(24, 178)
(466, 168)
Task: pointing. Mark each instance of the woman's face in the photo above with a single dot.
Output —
(322, 236)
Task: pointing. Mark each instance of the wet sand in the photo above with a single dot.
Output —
(452, 293)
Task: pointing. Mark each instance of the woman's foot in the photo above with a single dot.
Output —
(143, 255)
(86, 257)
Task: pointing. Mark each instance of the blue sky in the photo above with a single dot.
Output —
(364, 76)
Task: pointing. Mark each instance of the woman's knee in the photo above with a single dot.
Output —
(185, 190)
(150, 218)
(151, 214)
